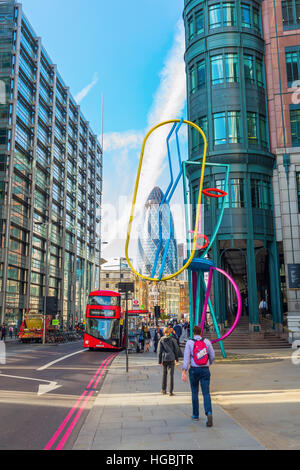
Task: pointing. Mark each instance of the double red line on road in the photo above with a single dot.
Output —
(79, 407)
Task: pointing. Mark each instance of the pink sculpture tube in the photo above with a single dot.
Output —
(239, 301)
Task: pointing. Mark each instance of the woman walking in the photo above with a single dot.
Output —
(198, 356)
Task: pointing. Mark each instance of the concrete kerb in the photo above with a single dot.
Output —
(130, 413)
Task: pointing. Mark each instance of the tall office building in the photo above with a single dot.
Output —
(227, 98)
(281, 23)
(50, 182)
(152, 233)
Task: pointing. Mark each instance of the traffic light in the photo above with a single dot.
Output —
(51, 305)
(157, 311)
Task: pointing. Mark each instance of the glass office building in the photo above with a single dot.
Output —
(152, 232)
(50, 182)
(225, 52)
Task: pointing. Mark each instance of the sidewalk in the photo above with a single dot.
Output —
(130, 414)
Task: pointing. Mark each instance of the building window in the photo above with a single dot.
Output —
(255, 194)
(220, 184)
(201, 74)
(259, 72)
(246, 16)
(196, 138)
(249, 68)
(195, 25)
(263, 131)
(203, 125)
(292, 67)
(227, 128)
(224, 67)
(231, 68)
(192, 79)
(215, 16)
(298, 189)
(237, 193)
(222, 14)
(199, 22)
(219, 128)
(291, 14)
(256, 22)
(229, 14)
(252, 128)
(197, 76)
(190, 28)
(261, 194)
(253, 70)
(234, 127)
(217, 71)
(295, 127)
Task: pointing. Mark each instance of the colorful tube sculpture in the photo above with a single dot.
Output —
(196, 266)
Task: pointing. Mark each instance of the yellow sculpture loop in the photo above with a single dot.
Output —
(171, 276)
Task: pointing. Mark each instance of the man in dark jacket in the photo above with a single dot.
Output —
(178, 331)
(168, 353)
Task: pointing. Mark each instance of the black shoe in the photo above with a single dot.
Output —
(209, 421)
(163, 392)
(171, 394)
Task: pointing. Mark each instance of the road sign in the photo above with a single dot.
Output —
(126, 287)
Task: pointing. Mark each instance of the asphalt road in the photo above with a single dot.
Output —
(46, 392)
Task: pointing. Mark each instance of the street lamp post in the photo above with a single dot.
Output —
(46, 278)
(126, 288)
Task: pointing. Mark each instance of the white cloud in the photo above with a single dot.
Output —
(168, 103)
(85, 91)
(119, 140)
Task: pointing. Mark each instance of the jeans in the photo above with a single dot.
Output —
(171, 366)
(202, 375)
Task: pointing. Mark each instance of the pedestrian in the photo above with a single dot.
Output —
(11, 332)
(171, 331)
(147, 338)
(157, 336)
(142, 339)
(199, 355)
(168, 354)
(3, 332)
(246, 306)
(178, 331)
(263, 308)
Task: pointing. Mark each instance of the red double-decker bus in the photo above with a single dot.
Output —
(104, 321)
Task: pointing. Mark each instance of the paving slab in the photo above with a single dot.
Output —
(129, 413)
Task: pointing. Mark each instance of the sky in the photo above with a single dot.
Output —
(131, 54)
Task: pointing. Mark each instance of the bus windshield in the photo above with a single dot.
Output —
(103, 329)
(104, 300)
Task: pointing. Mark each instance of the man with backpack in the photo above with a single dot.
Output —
(198, 356)
(168, 353)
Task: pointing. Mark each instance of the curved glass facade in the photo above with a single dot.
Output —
(149, 237)
(227, 99)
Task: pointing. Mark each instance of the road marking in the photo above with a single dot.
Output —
(79, 407)
(42, 388)
(46, 366)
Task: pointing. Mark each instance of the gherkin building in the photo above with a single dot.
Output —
(156, 239)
